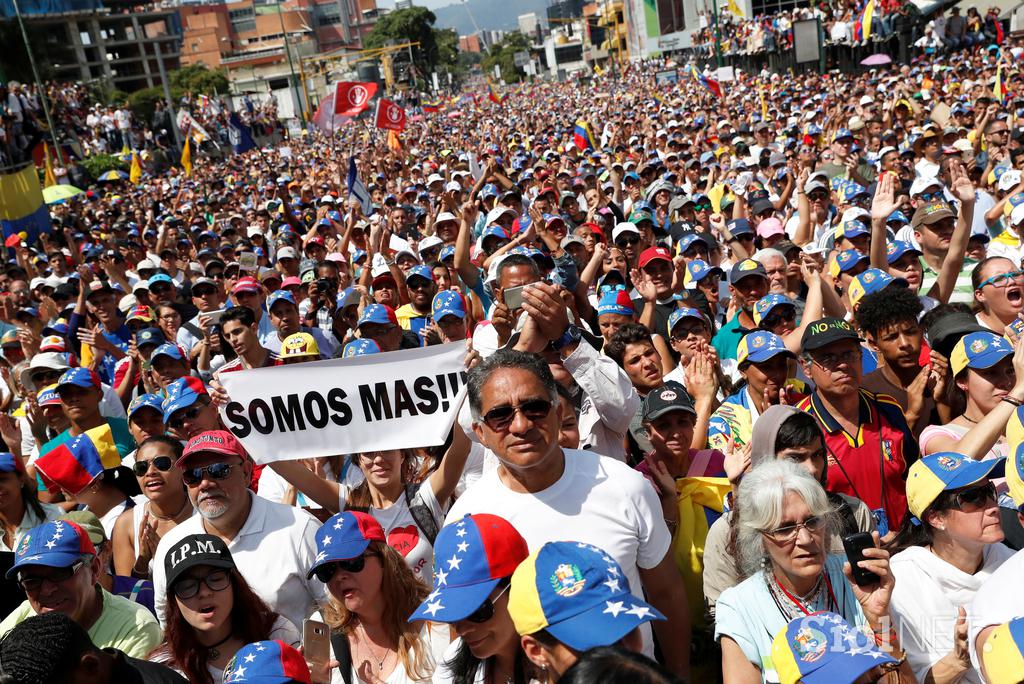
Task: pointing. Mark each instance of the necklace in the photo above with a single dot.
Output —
(380, 661)
(969, 420)
(786, 602)
(168, 517)
(214, 653)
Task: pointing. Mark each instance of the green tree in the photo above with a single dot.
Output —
(437, 47)
(503, 52)
(199, 79)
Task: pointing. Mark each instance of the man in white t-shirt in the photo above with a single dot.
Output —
(273, 545)
(551, 494)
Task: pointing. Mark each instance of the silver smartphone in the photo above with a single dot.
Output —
(513, 297)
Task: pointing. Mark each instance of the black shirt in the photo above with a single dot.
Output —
(128, 670)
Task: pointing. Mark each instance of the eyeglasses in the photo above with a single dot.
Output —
(218, 580)
(350, 565)
(214, 471)
(57, 575)
(829, 361)
(929, 196)
(419, 284)
(975, 498)
(179, 419)
(781, 317)
(817, 196)
(486, 610)
(788, 533)
(162, 463)
(1001, 280)
(627, 241)
(702, 207)
(500, 417)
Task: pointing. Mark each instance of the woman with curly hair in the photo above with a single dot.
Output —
(212, 611)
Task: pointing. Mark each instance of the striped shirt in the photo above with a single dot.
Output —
(963, 291)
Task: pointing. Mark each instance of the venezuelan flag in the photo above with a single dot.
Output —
(492, 94)
(710, 85)
(862, 27)
(22, 209)
(999, 92)
(582, 136)
(74, 465)
(431, 106)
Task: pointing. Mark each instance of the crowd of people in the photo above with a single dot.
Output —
(745, 377)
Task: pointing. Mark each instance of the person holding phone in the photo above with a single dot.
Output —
(941, 557)
(211, 611)
(783, 526)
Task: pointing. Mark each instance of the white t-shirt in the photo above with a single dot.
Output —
(925, 600)
(998, 600)
(442, 675)
(402, 532)
(597, 500)
(273, 551)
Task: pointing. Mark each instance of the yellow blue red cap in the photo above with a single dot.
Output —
(822, 648)
(1002, 653)
(943, 471)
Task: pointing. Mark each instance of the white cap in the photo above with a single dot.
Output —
(54, 281)
(434, 178)
(254, 230)
(962, 145)
(430, 241)
(127, 303)
(1009, 180)
(453, 186)
(922, 183)
(327, 199)
(142, 284)
(1017, 215)
(496, 213)
(286, 253)
(624, 227)
(866, 100)
(445, 216)
(145, 264)
(37, 282)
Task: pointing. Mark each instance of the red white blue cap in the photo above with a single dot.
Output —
(169, 350)
(267, 662)
(153, 401)
(684, 312)
(822, 648)
(470, 557)
(182, 393)
(419, 271)
(360, 347)
(615, 302)
(344, 536)
(378, 313)
(79, 377)
(55, 544)
(9, 463)
(278, 295)
(448, 303)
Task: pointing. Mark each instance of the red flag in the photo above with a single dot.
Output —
(352, 97)
(389, 116)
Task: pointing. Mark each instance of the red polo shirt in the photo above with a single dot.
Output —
(872, 464)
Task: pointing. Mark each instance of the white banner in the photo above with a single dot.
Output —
(397, 400)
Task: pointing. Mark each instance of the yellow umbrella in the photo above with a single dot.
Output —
(59, 193)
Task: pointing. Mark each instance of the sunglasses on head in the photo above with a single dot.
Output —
(162, 463)
(486, 610)
(500, 417)
(214, 471)
(350, 565)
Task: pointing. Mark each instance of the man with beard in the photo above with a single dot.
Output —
(748, 282)
(415, 316)
(217, 473)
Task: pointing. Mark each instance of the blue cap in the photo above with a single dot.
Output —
(419, 271)
(358, 255)
(764, 306)
(684, 312)
(842, 133)
(448, 303)
(687, 241)
(894, 250)
(698, 269)
(9, 463)
(854, 228)
(360, 347)
(153, 401)
(447, 252)
(871, 281)
(182, 393)
(148, 336)
(759, 346)
(740, 226)
(30, 311)
(615, 302)
(489, 190)
(935, 473)
(161, 278)
(494, 231)
(56, 544)
(822, 648)
(345, 535)
(80, 377)
(278, 295)
(56, 329)
(378, 313)
(167, 349)
(899, 217)
(979, 350)
(266, 662)
(849, 258)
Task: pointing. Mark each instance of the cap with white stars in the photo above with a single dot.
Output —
(267, 662)
(55, 544)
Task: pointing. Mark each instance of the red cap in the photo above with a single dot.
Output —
(247, 284)
(315, 240)
(652, 253)
(213, 441)
(548, 188)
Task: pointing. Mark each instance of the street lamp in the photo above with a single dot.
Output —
(291, 65)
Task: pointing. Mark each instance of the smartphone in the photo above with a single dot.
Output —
(214, 316)
(855, 545)
(316, 642)
(1018, 327)
(248, 261)
(513, 297)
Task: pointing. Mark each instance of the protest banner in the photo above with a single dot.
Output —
(397, 400)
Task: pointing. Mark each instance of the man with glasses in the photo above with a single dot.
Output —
(627, 237)
(58, 568)
(415, 315)
(207, 296)
(188, 409)
(217, 473)
(548, 493)
(866, 435)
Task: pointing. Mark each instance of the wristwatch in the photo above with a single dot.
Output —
(571, 335)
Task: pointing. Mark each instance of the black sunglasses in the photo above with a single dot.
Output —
(486, 610)
(500, 417)
(976, 497)
(179, 418)
(623, 242)
(162, 463)
(350, 565)
(214, 471)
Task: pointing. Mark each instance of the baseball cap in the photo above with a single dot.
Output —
(740, 226)
(432, 240)
(169, 350)
(247, 284)
(98, 286)
(979, 350)
(578, 594)
(759, 346)
(48, 397)
(148, 336)
(153, 401)
(871, 281)
(624, 227)
(212, 441)
(489, 548)
(935, 473)
(360, 347)
(930, 213)
(160, 278)
(615, 302)
(1003, 653)
(79, 377)
(745, 268)
(669, 397)
(267, 662)
(822, 648)
(770, 227)
(279, 295)
(848, 258)
(378, 313)
(698, 269)
(345, 535)
(299, 345)
(448, 303)
(286, 253)
(494, 231)
(89, 523)
(852, 229)
(420, 271)
(826, 331)
(684, 312)
(55, 544)
(182, 393)
(947, 330)
(765, 304)
(194, 550)
(897, 248)
(9, 463)
(922, 183)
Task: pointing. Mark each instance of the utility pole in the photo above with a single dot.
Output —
(167, 94)
(291, 67)
(718, 35)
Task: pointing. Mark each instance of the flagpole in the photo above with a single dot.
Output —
(718, 42)
(39, 86)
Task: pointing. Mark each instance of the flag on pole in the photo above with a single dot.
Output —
(49, 178)
(357, 189)
(239, 135)
(999, 91)
(135, 173)
(862, 27)
(389, 116)
(582, 136)
(352, 97)
(186, 157)
(431, 106)
(711, 85)
(734, 9)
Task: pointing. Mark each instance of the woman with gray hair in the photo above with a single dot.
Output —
(785, 521)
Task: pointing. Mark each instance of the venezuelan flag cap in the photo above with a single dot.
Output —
(871, 281)
(979, 350)
(1015, 468)
(765, 305)
(1002, 653)
(344, 536)
(822, 648)
(56, 544)
(578, 593)
(759, 346)
(267, 662)
(471, 557)
(943, 471)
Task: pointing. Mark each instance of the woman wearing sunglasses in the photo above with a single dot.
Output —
(372, 593)
(472, 598)
(212, 611)
(139, 529)
(998, 293)
(940, 557)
